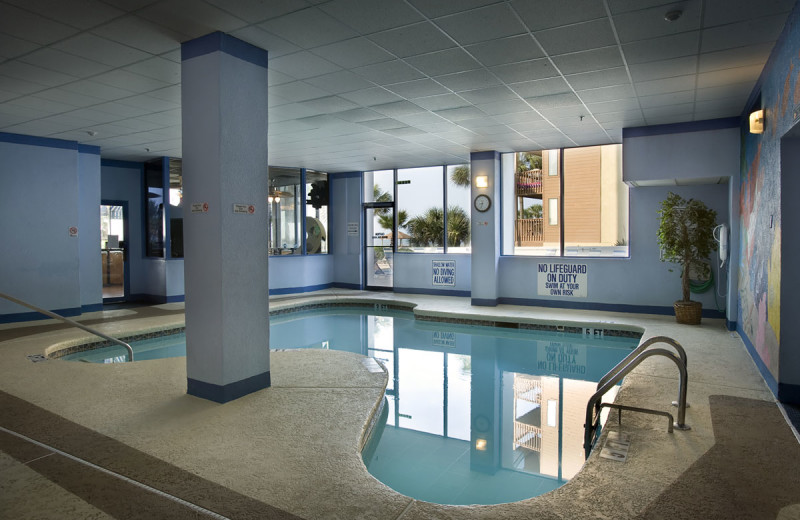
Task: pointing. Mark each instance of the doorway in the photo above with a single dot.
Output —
(379, 246)
(114, 250)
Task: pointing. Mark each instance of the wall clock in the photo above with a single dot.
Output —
(483, 203)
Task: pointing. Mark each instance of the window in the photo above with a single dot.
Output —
(459, 209)
(285, 229)
(154, 209)
(317, 196)
(586, 209)
(163, 179)
(420, 215)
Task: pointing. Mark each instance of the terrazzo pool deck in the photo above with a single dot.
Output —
(293, 450)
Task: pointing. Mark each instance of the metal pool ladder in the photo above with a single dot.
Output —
(616, 374)
(71, 322)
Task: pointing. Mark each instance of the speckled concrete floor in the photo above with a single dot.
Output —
(293, 450)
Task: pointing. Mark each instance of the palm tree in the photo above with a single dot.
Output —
(426, 230)
(386, 219)
(528, 161)
(531, 212)
(460, 175)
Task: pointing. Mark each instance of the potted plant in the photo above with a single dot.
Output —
(686, 237)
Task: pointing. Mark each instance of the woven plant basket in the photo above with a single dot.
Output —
(688, 313)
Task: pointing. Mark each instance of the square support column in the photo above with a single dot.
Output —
(224, 117)
(485, 228)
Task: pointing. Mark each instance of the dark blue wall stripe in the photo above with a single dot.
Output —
(437, 292)
(765, 373)
(218, 41)
(682, 128)
(35, 316)
(612, 307)
(86, 148)
(477, 156)
(113, 163)
(229, 392)
(484, 302)
(342, 285)
(346, 175)
(31, 140)
(294, 290)
(91, 308)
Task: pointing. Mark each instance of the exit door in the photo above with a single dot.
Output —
(114, 250)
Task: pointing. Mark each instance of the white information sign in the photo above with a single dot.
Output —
(352, 229)
(444, 272)
(564, 359)
(199, 207)
(559, 279)
(245, 209)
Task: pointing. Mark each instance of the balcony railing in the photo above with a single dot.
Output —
(529, 183)
(527, 436)
(529, 231)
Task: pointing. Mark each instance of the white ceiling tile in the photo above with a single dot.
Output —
(546, 14)
(441, 102)
(418, 88)
(740, 90)
(63, 62)
(732, 106)
(623, 6)
(485, 23)
(664, 68)
(388, 72)
(650, 23)
(620, 105)
(418, 38)
(359, 114)
(719, 12)
(302, 65)
(525, 71)
(371, 96)
(541, 87)
(297, 91)
(75, 99)
(470, 80)
(575, 38)
(383, 124)
(626, 116)
(191, 18)
(11, 47)
(19, 86)
(129, 81)
(506, 50)
(147, 103)
(667, 110)
(666, 47)
(723, 77)
(553, 101)
(517, 117)
(355, 52)
(749, 32)
(586, 61)
(255, 11)
(328, 105)
(339, 82)
(140, 34)
(489, 94)
(368, 16)
(459, 114)
(83, 14)
(738, 57)
(663, 86)
(28, 26)
(614, 93)
(436, 8)
(309, 28)
(671, 98)
(273, 44)
(25, 71)
(398, 108)
(509, 106)
(600, 78)
(159, 69)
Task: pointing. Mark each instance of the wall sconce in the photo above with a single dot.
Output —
(757, 122)
(482, 181)
(480, 444)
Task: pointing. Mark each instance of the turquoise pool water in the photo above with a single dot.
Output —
(472, 415)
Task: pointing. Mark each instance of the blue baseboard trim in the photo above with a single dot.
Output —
(156, 298)
(610, 307)
(229, 392)
(295, 290)
(765, 373)
(91, 308)
(176, 299)
(35, 316)
(731, 325)
(484, 302)
(340, 285)
(435, 292)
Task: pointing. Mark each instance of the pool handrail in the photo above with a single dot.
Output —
(590, 426)
(641, 348)
(70, 322)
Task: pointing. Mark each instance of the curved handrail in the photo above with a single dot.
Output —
(71, 322)
(644, 346)
(589, 425)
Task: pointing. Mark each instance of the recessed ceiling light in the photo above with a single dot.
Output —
(671, 16)
(92, 133)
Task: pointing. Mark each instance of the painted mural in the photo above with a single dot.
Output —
(760, 196)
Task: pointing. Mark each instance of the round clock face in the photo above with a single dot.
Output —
(483, 203)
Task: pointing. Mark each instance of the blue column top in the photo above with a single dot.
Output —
(219, 41)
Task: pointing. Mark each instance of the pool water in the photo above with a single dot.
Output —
(472, 415)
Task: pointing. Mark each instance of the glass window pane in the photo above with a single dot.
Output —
(459, 209)
(285, 230)
(595, 202)
(420, 217)
(317, 196)
(154, 212)
(459, 383)
(379, 254)
(530, 217)
(421, 390)
(176, 208)
(379, 186)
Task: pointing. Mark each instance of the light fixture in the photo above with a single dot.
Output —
(672, 16)
(482, 181)
(757, 122)
(480, 444)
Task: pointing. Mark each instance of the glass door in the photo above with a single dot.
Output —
(379, 247)
(113, 251)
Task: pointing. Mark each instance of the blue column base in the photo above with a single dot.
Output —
(484, 302)
(229, 392)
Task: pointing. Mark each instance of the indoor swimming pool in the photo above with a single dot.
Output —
(472, 414)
